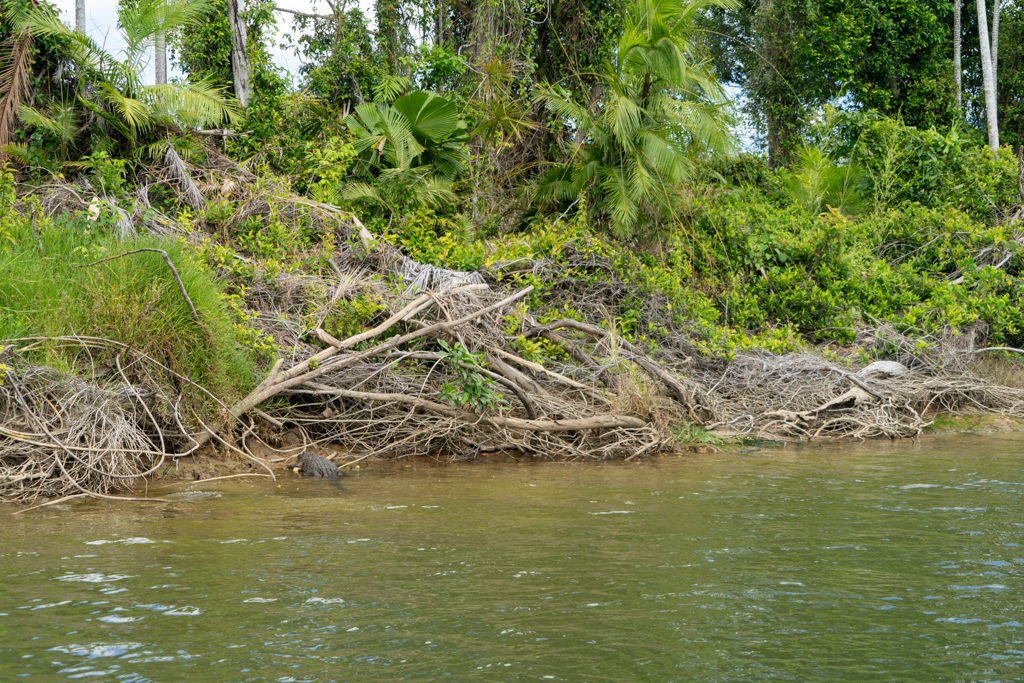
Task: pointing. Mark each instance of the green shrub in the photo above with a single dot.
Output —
(937, 169)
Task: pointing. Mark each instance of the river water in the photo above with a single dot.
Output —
(841, 563)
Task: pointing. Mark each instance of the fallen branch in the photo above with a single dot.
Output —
(581, 424)
(674, 386)
(321, 363)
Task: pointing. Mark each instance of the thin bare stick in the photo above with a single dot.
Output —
(50, 502)
(228, 476)
(167, 260)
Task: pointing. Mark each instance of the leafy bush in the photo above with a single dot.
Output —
(926, 166)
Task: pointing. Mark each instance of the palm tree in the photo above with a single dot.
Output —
(110, 97)
(410, 151)
(655, 105)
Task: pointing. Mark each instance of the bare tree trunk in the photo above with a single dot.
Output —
(240, 65)
(957, 68)
(80, 16)
(996, 10)
(987, 77)
(160, 50)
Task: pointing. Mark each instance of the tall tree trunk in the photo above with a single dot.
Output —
(987, 77)
(80, 16)
(390, 30)
(957, 68)
(996, 10)
(160, 53)
(439, 24)
(240, 66)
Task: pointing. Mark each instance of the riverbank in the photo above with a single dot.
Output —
(137, 337)
(212, 466)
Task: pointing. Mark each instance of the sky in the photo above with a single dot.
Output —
(101, 25)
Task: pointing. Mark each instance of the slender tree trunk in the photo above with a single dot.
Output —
(439, 24)
(357, 90)
(240, 65)
(987, 77)
(160, 50)
(957, 68)
(80, 16)
(996, 10)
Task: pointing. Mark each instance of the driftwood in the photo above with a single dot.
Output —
(675, 388)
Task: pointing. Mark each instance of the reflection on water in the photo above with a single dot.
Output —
(880, 561)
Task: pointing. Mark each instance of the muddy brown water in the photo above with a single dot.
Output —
(878, 561)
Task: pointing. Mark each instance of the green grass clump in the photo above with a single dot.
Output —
(46, 292)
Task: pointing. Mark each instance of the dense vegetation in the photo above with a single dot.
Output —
(585, 148)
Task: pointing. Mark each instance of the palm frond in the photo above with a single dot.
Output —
(61, 121)
(43, 24)
(137, 115)
(193, 104)
(142, 20)
(15, 61)
(361, 192)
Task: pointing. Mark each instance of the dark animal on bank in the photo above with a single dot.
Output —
(309, 464)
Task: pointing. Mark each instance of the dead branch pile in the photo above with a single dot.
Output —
(805, 397)
(378, 392)
(60, 436)
(96, 427)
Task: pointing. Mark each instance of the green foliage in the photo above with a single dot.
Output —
(439, 241)
(48, 291)
(348, 317)
(418, 129)
(203, 48)
(108, 173)
(903, 164)
(818, 183)
(470, 387)
(409, 150)
(8, 195)
(629, 147)
(110, 91)
(824, 275)
(793, 56)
